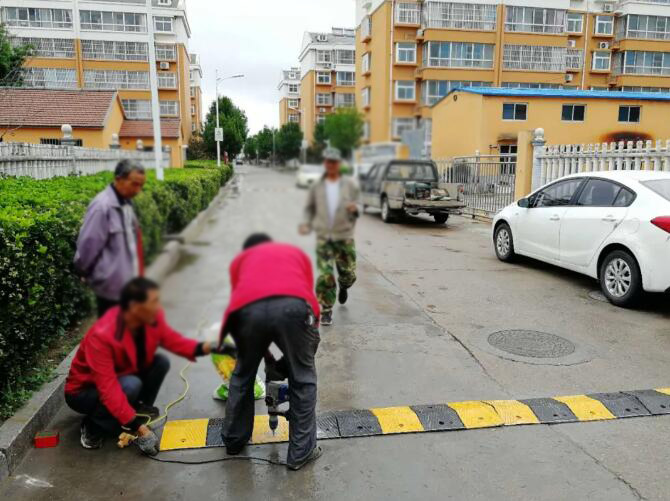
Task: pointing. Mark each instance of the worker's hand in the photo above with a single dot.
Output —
(352, 207)
(304, 229)
(208, 348)
(147, 440)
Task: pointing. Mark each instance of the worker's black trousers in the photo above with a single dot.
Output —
(289, 323)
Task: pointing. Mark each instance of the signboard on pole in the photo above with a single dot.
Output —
(218, 134)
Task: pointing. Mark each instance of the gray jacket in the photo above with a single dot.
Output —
(316, 210)
(103, 256)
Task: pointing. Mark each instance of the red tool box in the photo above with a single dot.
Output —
(45, 439)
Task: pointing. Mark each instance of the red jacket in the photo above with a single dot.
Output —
(268, 270)
(108, 352)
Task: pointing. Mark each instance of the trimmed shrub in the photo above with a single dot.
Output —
(40, 296)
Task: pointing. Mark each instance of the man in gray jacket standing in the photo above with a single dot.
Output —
(331, 211)
(109, 247)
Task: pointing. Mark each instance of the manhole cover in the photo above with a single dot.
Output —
(598, 296)
(533, 344)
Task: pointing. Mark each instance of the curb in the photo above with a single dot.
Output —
(16, 434)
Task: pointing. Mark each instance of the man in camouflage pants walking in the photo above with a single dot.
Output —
(331, 211)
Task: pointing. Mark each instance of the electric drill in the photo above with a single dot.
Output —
(276, 393)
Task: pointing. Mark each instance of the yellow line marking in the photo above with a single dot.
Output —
(514, 412)
(476, 414)
(666, 391)
(397, 420)
(586, 408)
(262, 433)
(185, 434)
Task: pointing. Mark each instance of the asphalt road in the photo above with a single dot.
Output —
(414, 332)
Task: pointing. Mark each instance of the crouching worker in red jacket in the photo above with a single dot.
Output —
(116, 373)
(273, 301)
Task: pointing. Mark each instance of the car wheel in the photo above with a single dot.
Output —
(440, 218)
(387, 213)
(504, 243)
(620, 279)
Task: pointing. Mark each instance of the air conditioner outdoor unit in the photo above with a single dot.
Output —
(322, 110)
(608, 7)
(322, 38)
(165, 65)
(572, 43)
(604, 45)
(568, 78)
(327, 65)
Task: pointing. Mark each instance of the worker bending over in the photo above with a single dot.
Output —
(273, 301)
(116, 372)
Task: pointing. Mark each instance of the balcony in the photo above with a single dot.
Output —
(407, 14)
(574, 60)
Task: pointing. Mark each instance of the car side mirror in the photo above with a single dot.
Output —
(362, 176)
(523, 203)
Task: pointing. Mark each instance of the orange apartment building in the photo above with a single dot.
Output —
(328, 76)
(196, 94)
(93, 45)
(289, 96)
(410, 54)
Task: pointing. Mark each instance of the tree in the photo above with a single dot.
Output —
(250, 147)
(264, 143)
(289, 141)
(234, 125)
(196, 148)
(344, 129)
(315, 151)
(12, 60)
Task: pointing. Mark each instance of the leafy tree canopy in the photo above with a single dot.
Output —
(234, 124)
(344, 129)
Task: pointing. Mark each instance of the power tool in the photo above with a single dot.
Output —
(276, 391)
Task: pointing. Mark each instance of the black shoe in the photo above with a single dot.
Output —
(234, 450)
(313, 456)
(148, 410)
(91, 437)
(343, 295)
(326, 318)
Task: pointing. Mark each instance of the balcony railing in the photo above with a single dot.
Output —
(574, 59)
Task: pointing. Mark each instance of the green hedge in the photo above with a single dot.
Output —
(40, 296)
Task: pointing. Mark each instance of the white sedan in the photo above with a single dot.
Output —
(308, 174)
(613, 226)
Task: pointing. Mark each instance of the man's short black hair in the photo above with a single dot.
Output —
(136, 291)
(126, 166)
(256, 239)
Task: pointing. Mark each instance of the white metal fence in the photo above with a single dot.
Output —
(553, 162)
(46, 161)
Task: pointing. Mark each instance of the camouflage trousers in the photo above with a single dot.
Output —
(330, 255)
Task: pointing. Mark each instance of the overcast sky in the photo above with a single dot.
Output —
(258, 38)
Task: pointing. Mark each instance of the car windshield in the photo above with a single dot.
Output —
(411, 172)
(312, 169)
(660, 186)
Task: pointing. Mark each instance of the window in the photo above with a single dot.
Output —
(323, 77)
(534, 57)
(557, 194)
(163, 24)
(346, 78)
(411, 172)
(365, 95)
(627, 88)
(460, 16)
(116, 79)
(292, 75)
(169, 108)
(647, 27)
(345, 56)
(601, 60)
(58, 141)
(320, 119)
(458, 55)
(575, 22)
(28, 17)
(515, 111)
(324, 99)
(96, 20)
(293, 88)
(50, 78)
(324, 56)
(401, 125)
(193, 109)
(114, 50)
(47, 47)
(604, 25)
(137, 109)
(530, 85)
(167, 80)
(573, 59)
(293, 103)
(434, 90)
(643, 63)
(164, 3)
(405, 90)
(573, 112)
(366, 28)
(629, 114)
(534, 20)
(407, 13)
(365, 63)
(293, 118)
(405, 52)
(166, 52)
(598, 193)
(345, 100)
(625, 198)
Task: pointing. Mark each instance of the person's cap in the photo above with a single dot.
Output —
(332, 154)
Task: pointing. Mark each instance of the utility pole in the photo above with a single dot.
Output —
(155, 103)
(273, 147)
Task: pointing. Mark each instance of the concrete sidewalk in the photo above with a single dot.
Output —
(409, 335)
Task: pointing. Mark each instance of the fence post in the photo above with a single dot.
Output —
(537, 143)
(69, 142)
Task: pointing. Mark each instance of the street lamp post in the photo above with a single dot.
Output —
(218, 133)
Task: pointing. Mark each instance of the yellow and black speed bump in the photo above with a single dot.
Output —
(198, 433)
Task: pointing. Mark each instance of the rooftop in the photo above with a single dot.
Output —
(145, 128)
(53, 108)
(583, 94)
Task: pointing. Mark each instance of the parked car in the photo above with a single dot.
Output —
(239, 161)
(308, 174)
(612, 226)
(412, 187)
